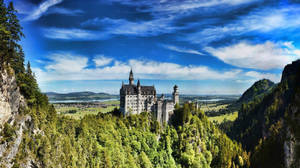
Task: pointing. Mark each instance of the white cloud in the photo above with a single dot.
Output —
(110, 27)
(101, 60)
(139, 28)
(182, 50)
(41, 9)
(258, 75)
(259, 21)
(65, 11)
(66, 63)
(64, 66)
(73, 34)
(270, 19)
(180, 6)
(263, 56)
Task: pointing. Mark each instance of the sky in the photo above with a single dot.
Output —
(203, 46)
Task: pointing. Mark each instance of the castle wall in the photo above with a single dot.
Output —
(135, 104)
(159, 112)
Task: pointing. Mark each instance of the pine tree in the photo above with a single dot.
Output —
(15, 52)
(4, 34)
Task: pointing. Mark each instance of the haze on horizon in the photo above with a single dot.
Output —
(203, 46)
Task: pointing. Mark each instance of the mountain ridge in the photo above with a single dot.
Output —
(85, 95)
(269, 125)
(259, 88)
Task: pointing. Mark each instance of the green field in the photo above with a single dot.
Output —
(215, 108)
(78, 110)
(212, 107)
(82, 112)
(221, 118)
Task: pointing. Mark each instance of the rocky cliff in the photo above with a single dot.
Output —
(291, 74)
(12, 119)
(11, 100)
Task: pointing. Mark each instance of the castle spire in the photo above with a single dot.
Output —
(131, 79)
(138, 83)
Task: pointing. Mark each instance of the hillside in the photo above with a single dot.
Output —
(258, 89)
(269, 125)
(53, 96)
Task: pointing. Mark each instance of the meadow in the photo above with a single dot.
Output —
(219, 119)
(215, 112)
(79, 110)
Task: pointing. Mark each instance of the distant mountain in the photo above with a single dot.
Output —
(259, 88)
(53, 96)
(269, 125)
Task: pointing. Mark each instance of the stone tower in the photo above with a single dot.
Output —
(131, 79)
(175, 95)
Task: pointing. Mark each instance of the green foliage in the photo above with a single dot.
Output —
(269, 152)
(72, 111)
(10, 34)
(8, 133)
(258, 89)
(107, 140)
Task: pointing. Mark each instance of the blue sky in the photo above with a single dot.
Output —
(204, 46)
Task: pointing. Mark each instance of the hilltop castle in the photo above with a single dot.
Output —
(135, 99)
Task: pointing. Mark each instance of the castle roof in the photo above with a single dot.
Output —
(133, 90)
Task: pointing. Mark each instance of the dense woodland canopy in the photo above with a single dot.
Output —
(111, 140)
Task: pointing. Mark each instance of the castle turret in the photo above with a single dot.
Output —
(131, 79)
(138, 84)
(176, 95)
(139, 106)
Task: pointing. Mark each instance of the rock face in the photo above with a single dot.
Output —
(10, 98)
(291, 74)
(12, 103)
(291, 70)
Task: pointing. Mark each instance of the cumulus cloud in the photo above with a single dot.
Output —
(66, 63)
(182, 50)
(101, 60)
(64, 66)
(259, 75)
(263, 56)
(41, 9)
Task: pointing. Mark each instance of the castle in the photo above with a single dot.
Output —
(135, 99)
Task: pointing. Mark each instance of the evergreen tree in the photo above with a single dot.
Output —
(15, 52)
(4, 33)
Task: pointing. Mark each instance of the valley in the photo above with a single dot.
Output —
(215, 106)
